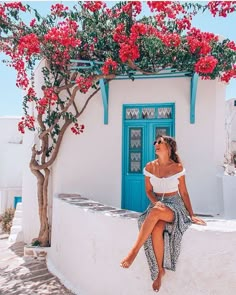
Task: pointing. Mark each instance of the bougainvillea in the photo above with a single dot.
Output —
(222, 8)
(79, 46)
(206, 64)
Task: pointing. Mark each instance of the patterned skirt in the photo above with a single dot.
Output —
(172, 234)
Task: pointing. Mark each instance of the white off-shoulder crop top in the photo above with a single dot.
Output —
(164, 184)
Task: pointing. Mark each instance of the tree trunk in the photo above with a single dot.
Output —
(40, 167)
(42, 193)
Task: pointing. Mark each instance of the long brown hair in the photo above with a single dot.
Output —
(173, 148)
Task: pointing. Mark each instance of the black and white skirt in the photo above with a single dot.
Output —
(172, 234)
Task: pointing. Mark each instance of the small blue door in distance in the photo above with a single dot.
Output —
(17, 199)
(141, 125)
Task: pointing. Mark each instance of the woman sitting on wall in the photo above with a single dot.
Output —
(168, 215)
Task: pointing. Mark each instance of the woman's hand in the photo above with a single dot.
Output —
(197, 220)
(158, 205)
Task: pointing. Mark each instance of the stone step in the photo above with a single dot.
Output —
(17, 221)
(15, 229)
(16, 234)
(16, 237)
(18, 214)
(39, 253)
(19, 206)
(12, 238)
(25, 275)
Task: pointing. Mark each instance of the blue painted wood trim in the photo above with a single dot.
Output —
(193, 94)
(157, 76)
(142, 76)
(105, 94)
(168, 73)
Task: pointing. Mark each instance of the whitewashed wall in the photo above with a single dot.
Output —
(230, 112)
(87, 248)
(11, 162)
(29, 190)
(90, 164)
(30, 220)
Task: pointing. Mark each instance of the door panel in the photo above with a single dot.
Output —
(135, 142)
(154, 131)
(134, 161)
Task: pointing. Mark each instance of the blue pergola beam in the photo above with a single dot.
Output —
(167, 73)
(193, 94)
(105, 94)
(154, 76)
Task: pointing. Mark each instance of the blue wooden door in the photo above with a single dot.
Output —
(141, 125)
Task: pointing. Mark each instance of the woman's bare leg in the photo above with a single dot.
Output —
(158, 247)
(156, 214)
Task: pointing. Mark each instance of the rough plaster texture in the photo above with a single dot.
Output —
(88, 244)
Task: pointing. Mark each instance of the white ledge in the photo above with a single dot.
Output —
(87, 248)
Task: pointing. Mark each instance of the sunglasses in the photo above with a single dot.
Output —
(158, 142)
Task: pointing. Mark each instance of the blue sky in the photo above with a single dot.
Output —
(11, 96)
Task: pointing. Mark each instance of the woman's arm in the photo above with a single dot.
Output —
(148, 186)
(185, 196)
(149, 190)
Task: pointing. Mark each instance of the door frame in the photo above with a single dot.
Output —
(133, 122)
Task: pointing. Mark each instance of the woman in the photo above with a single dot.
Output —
(169, 214)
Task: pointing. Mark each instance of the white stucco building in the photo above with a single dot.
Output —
(95, 163)
(11, 162)
(104, 164)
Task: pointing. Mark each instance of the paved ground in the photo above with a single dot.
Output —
(24, 275)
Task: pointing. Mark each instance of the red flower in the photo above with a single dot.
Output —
(136, 30)
(31, 95)
(184, 23)
(171, 39)
(32, 22)
(49, 98)
(128, 51)
(29, 45)
(109, 66)
(222, 8)
(58, 9)
(50, 95)
(119, 35)
(132, 7)
(93, 6)
(166, 8)
(28, 122)
(84, 83)
(76, 129)
(229, 74)
(64, 35)
(2, 12)
(15, 5)
(62, 40)
(19, 65)
(200, 42)
(231, 45)
(206, 65)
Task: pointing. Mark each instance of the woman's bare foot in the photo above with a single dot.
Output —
(157, 282)
(128, 259)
